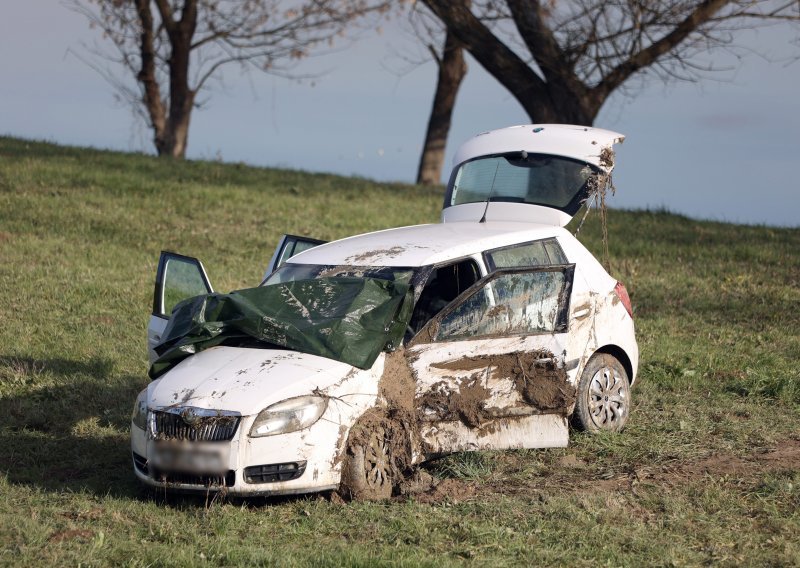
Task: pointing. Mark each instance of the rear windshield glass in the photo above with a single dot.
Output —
(539, 179)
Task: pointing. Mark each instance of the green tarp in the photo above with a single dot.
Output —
(347, 319)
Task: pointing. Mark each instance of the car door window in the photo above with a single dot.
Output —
(289, 246)
(179, 277)
(512, 303)
(537, 253)
(444, 285)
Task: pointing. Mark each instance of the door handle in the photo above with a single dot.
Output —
(580, 313)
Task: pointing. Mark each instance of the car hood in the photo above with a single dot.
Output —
(243, 380)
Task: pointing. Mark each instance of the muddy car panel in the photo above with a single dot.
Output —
(235, 378)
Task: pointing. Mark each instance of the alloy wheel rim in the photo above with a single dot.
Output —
(376, 463)
(608, 399)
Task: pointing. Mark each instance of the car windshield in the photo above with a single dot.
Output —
(539, 179)
(291, 272)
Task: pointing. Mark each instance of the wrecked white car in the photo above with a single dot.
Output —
(358, 359)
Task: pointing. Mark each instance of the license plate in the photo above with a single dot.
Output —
(185, 458)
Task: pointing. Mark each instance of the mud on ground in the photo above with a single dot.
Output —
(571, 475)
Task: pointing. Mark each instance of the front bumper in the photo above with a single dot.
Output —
(306, 461)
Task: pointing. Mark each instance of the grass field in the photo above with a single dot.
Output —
(707, 472)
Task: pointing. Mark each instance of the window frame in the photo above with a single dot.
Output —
(490, 265)
(158, 289)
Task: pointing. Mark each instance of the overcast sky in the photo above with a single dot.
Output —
(726, 149)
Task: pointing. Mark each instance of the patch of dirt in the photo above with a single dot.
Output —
(447, 490)
(571, 474)
(397, 384)
(467, 404)
(786, 456)
(536, 376)
(4, 236)
(71, 534)
(373, 254)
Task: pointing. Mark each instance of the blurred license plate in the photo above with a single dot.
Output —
(191, 459)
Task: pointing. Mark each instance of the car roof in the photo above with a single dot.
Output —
(422, 245)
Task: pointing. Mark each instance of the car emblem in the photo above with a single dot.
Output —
(190, 417)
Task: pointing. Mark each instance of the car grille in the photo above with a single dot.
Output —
(274, 472)
(194, 425)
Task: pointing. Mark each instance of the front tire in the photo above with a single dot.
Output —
(368, 473)
(604, 395)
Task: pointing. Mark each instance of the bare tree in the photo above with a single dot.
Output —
(452, 69)
(562, 60)
(173, 48)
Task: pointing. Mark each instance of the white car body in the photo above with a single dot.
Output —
(244, 381)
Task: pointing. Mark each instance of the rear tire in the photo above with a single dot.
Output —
(604, 395)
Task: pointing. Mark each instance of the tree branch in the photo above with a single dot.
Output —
(704, 12)
(505, 65)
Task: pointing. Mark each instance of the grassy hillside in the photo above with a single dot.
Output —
(708, 470)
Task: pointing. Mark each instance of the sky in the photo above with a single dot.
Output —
(726, 149)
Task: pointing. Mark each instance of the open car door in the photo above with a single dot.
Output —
(289, 246)
(178, 277)
(490, 368)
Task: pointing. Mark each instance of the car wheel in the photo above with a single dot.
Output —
(604, 395)
(368, 473)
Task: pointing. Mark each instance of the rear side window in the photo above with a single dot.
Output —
(537, 253)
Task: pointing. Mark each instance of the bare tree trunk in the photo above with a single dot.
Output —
(452, 69)
(171, 132)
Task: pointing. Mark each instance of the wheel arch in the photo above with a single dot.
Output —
(620, 355)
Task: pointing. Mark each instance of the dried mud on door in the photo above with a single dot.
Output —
(536, 375)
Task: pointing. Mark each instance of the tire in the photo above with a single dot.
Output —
(604, 395)
(368, 473)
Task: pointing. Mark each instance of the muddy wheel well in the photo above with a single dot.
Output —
(621, 356)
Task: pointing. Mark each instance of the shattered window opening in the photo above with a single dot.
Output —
(444, 285)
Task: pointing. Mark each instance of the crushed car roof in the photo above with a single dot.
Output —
(422, 245)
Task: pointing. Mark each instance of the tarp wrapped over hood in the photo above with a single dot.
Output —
(347, 319)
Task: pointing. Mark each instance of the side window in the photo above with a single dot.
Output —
(536, 253)
(444, 285)
(289, 246)
(512, 303)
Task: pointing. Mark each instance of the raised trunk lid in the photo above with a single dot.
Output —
(538, 173)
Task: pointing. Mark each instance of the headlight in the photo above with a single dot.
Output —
(139, 417)
(289, 416)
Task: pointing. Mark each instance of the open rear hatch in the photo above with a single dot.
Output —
(536, 173)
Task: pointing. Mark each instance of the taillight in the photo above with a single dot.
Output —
(622, 294)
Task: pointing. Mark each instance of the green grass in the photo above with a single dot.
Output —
(80, 231)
